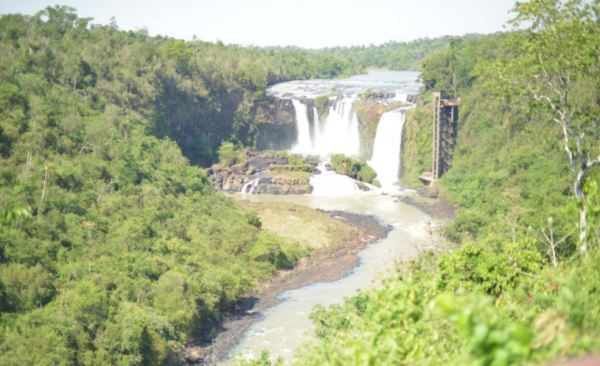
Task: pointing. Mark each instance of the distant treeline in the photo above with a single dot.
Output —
(395, 55)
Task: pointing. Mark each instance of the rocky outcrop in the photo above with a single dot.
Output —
(228, 179)
(232, 179)
(282, 185)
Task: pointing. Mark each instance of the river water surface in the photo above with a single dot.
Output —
(285, 327)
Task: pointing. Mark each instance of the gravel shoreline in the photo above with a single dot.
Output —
(213, 342)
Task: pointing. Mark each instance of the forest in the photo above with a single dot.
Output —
(113, 247)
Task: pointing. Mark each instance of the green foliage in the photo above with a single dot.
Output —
(228, 154)
(451, 69)
(474, 267)
(12, 213)
(557, 73)
(353, 168)
(508, 173)
(412, 320)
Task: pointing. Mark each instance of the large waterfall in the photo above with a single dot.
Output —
(339, 134)
(386, 149)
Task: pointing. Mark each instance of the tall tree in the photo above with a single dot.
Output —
(557, 68)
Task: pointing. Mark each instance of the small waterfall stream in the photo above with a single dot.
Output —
(249, 187)
(386, 149)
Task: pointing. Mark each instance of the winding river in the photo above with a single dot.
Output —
(285, 328)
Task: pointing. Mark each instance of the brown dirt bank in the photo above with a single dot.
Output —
(214, 341)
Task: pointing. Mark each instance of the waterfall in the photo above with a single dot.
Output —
(317, 124)
(303, 144)
(339, 135)
(386, 149)
(401, 97)
(249, 187)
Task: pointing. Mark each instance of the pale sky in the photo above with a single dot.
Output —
(304, 23)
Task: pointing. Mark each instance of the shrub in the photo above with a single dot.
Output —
(353, 168)
(228, 154)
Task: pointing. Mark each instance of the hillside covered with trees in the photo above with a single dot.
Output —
(128, 250)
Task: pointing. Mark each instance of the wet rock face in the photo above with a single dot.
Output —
(278, 129)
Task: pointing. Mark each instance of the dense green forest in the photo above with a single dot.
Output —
(520, 281)
(128, 250)
(395, 55)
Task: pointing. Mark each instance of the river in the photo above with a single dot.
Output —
(284, 328)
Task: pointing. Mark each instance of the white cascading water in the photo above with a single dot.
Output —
(317, 123)
(303, 144)
(249, 187)
(401, 97)
(338, 136)
(386, 149)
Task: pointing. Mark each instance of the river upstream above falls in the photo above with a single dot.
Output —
(284, 328)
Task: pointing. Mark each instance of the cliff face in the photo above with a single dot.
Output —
(197, 125)
(277, 128)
